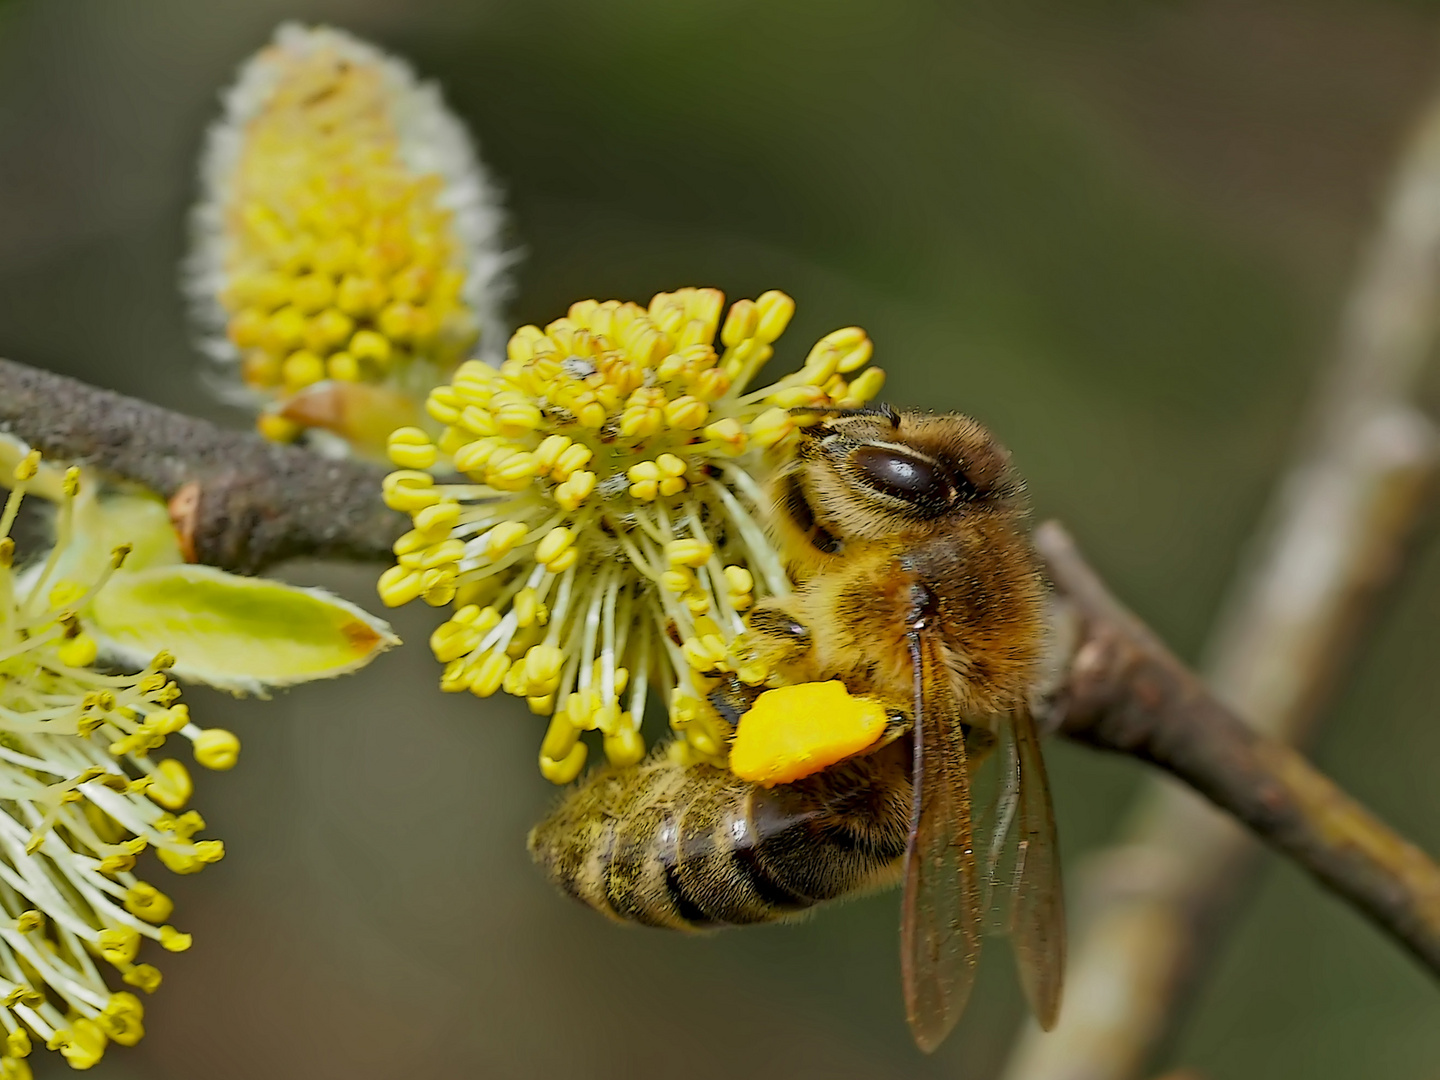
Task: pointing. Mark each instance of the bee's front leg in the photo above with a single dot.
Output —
(775, 646)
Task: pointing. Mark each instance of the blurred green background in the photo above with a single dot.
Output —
(1115, 230)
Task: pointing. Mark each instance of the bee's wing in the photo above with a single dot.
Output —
(941, 912)
(1024, 868)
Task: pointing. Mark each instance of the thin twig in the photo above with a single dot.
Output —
(1125, 691)
(1334, 535)
(252, 502)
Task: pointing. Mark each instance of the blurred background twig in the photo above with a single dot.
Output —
(1333, 538)
(1124, 691)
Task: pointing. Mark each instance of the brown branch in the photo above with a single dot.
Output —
(254, 502)
(1333, 537)
(1125, 691)
(1121, 691)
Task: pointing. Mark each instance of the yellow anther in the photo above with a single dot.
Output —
(70, 485)
(472, 457)
(144, 977)
(794, 397)
(570, 461)
(771, 427)
(686, 413)
(515, 682)
(27, 922)
(409, 490)
(705, 653)
(171, 940)
(574, 491)
(865, 386)
(170, 721)
(65, 593)
(560, 737)
(688, 552)
(79, 651)
(606, 718)
(439, 519)
(146, 902)
(28, 466)
(284, 331)
(444, 405)
(447, 551)
(549, 451)
(17, 1043)
(529, 610)
(821, 367)
(118, 864)
(438, 585)
(82, 1044)
(452, 640)
(23, 995)
(328, 330)
(642, 471)
(513, 472)
(195, 860)
(399, 585)
(555, 543)
(368, 345)
(640, 421)
(489, 674)
(119, 944)
(739, 579)
(216, 748)
(567, 768)
(312, 293)
(670, 465)
(171, 785)
(678, 581)
(728, 434)
(697, 602)
(122, 1019)
(514, 415)
(456, 676)
(625, 746)
(776, 309)
(671, 485)
(118, 554)
(590, 414)
(500, 540)
(302, 368)
(543, 664)
(411, 448)
(855, 350)
(276, 428)
(741, 323)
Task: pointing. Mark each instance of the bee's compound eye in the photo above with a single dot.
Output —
(903, 476)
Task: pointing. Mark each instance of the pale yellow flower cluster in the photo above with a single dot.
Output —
(345, 246)
(601, 539)
(82, 796)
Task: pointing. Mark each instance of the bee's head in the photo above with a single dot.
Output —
(882, 474)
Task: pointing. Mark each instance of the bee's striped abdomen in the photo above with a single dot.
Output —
(691, 848)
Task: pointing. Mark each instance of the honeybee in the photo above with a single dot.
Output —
(915, 584)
